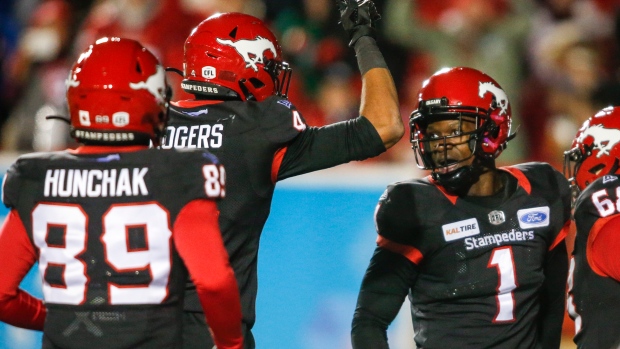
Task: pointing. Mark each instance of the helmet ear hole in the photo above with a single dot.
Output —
(256, 83)
(492, 128)
(596, 169)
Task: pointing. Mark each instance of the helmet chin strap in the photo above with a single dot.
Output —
(460, 180)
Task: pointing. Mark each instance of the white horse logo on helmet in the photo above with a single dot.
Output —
(604, 138)
(251, 50)
(155, 84)
(70, 82)
(500, 96)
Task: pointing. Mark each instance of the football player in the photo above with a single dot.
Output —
(479, 249)
(592, 166)
(115, 226)
(234, 67)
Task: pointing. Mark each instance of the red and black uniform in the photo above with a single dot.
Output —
(481, 272)
(594, 282)
(260, 143)
(111, 232)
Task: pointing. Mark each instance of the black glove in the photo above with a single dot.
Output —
(358, 18)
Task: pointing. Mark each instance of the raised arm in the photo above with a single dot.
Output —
(199, 242)
(379, 102)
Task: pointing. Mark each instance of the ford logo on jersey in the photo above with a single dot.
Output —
(533, 217)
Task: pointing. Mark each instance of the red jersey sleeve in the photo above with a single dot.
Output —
(17, 256)
(602, 247)
(197, 237)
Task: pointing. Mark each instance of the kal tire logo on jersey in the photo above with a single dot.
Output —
(251, 50)
(500, 96)
(533, 217)
(460, 229)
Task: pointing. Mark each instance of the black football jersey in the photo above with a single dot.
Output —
(480, 267)
(260, 143)
(102, 226)
(593, 299)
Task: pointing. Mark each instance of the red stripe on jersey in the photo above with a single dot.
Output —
(191, 103)
(97, 149)
(450, 197)
(410, 252)
(197, 237)
(523, 181)
(602, 246)
(275, 164)
(17, 256)
(562, 235)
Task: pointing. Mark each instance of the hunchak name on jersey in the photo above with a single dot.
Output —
(498, 239)
(95, 183)
(203, 136)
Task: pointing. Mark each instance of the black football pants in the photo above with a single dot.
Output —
(196, 335)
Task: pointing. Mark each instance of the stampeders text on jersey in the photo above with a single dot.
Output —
(95, 183)
(498, 239)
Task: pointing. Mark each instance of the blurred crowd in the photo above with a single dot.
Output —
(558, 60)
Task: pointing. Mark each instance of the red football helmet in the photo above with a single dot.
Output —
(595, 150)
(117, 94)
(452, 93)
(234, 56)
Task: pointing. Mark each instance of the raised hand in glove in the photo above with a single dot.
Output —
(358, 17)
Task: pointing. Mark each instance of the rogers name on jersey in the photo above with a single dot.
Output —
(498, 239)
(197, 136)
(95, 183)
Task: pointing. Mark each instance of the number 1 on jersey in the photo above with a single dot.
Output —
(502, 260)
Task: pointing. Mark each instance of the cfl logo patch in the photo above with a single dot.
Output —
(208, 72)
(120, 119)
